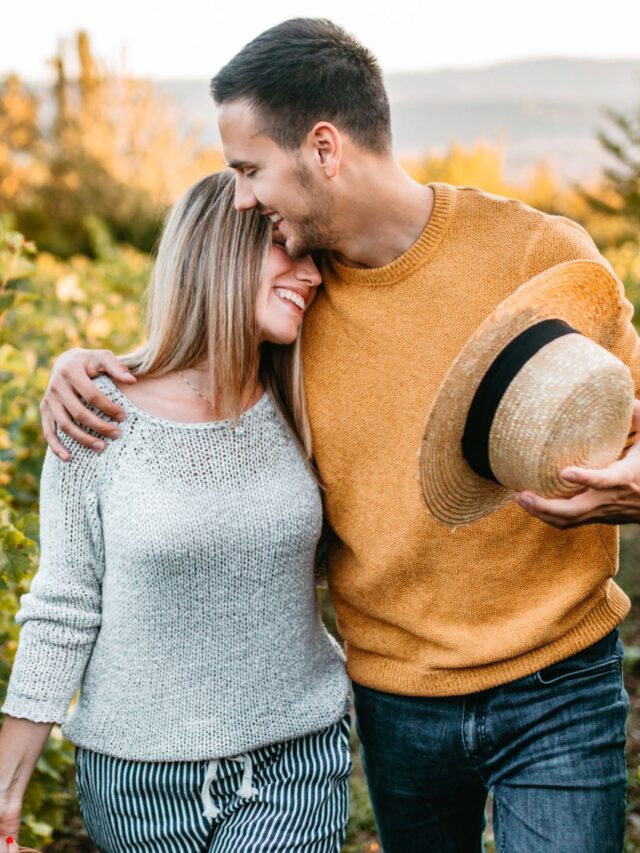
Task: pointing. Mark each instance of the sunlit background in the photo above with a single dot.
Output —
(105, 117)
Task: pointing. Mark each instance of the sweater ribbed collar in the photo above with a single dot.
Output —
(416, 255)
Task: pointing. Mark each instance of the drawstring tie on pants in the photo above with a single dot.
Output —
(245, 790)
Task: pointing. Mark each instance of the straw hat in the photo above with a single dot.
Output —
(533, 390)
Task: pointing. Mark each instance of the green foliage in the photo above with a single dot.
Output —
(83, 194)
(47, 798)
(47, 306)
(625, 259)
(622, 180)
(114, 150)
(50, 305)
(481, 165)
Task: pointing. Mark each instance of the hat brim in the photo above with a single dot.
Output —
(587, 296)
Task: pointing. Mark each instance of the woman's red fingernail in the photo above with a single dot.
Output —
(9, 839)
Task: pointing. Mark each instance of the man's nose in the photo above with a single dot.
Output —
(309, 272)
(244, 199)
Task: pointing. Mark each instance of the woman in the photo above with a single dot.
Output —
(176, 573)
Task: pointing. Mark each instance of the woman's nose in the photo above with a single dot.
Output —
(309, 272)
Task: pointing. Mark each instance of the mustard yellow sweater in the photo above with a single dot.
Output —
(424, 610)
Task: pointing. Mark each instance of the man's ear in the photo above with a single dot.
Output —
(326, 144)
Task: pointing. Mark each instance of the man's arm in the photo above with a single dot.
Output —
(61, 405)
(611, 495)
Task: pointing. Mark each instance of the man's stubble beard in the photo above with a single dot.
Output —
(316, 231)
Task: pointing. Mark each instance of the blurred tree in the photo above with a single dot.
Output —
(60, 96)
(621, 197)
(90, 81)
(20, 139)
(114, 151)
(482, 166)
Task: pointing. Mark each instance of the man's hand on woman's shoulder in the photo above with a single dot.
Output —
(69, 381)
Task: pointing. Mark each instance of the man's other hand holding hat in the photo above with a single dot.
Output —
(611, 495)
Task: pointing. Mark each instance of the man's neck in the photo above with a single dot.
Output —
(384, 218)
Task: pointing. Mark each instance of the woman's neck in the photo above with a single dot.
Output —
(185, 395)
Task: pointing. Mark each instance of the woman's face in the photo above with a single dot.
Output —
(288, 289)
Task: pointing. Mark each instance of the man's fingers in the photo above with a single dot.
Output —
(73, 383)
(66, 424)
(610, 495)
(553, 520)
(567, 509)
(50, 435)
(613, 475)
(79, 412)
(111, 364)
(82, 437)
(62, 406)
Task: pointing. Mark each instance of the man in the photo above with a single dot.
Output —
(484, 659)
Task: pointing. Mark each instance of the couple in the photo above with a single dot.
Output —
(176, 576)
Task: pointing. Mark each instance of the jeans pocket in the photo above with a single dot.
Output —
(574, 668)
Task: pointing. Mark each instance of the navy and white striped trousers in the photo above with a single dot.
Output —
(286, 796)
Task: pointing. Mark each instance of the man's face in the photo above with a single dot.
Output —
(286, 186)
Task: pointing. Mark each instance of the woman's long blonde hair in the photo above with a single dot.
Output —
(201, 306)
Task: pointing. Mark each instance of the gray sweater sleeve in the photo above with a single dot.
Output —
(61, 615)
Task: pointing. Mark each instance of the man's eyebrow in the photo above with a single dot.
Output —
(239, 164)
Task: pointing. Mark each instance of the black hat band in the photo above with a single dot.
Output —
(492, 388)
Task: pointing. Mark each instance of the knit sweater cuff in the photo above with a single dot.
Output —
(36, 709)
(46, 673)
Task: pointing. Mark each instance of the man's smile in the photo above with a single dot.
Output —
(276, 234)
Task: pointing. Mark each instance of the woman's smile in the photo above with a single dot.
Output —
(292, 298)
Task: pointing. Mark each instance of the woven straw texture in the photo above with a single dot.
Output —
(537, 430)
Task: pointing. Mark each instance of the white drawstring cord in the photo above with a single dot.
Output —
(245, 790)
(210, 809)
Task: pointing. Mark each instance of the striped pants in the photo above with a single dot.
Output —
(282, 797)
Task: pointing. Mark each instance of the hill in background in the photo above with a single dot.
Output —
(538, 110)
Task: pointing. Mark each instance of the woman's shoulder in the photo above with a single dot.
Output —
(114, 392)
(86, 456)
(108, 387)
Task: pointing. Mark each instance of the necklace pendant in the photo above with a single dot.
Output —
(239, 430)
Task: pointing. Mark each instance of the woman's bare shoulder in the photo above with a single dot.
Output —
(166, 397)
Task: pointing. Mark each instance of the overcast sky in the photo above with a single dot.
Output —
(192, 39)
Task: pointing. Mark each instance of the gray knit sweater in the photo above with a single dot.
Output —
(176, 589)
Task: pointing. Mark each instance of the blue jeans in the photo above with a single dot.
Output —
(549, 746)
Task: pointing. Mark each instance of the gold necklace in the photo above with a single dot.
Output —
(237, 430)
(195, 390)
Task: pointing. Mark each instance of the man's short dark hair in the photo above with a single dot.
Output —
(307, 70)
